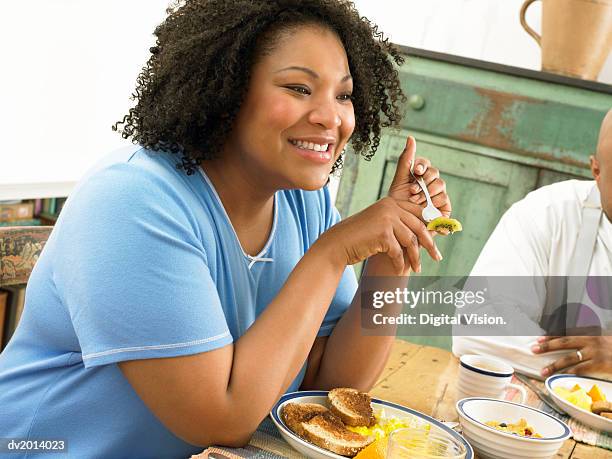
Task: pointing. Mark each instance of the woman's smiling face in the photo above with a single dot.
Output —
(297, 115)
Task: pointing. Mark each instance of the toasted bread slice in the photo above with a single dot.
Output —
(602, 405)
(352, 406)
(606, 414)
(294, 414)
(328, 431)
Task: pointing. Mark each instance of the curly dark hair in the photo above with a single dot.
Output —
(192, 87)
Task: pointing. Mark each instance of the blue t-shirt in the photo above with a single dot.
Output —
(142, 263)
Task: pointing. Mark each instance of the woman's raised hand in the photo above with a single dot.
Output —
(404, 186)
(393, 225)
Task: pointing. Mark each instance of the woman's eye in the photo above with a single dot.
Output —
(300, 89)
(306, 92)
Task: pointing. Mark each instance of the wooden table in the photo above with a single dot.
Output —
(423, 378)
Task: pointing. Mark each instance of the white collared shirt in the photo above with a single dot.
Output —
(536, 237)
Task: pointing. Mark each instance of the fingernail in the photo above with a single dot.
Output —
(415, 188)
(440, 257)
(535, 348)
(418, 270)
(541, 339)
(419, 169)
(545, 371)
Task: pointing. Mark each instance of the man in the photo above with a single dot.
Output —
(556, 230)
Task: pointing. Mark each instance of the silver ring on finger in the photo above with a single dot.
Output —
(579, 355)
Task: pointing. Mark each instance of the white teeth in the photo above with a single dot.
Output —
(310, 145)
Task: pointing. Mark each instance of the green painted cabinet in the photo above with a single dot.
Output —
(495, 133)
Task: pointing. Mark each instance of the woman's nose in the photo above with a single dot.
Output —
(326, 114)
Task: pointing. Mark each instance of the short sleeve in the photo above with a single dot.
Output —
(348, 283)
(133, 275)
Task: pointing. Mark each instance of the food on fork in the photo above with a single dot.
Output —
(352, 407)
(321, 427)
(444, 225)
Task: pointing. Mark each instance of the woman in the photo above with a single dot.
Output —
(192, 281)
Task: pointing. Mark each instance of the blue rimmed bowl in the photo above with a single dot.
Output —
(491, 443)
(587, 417)
(320, 397)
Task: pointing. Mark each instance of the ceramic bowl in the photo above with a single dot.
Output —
(588, 418)
(490, 443)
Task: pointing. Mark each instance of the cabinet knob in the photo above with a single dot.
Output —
(416, 102)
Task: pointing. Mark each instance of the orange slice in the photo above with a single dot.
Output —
(375, 450)
(596, 394)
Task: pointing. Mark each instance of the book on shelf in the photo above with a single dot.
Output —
(16, 212)
(3, 313)
(49, 206)
(15, 304)
(38, 205)
(35, 212)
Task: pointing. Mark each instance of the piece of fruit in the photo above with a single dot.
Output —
(375, 450)
(444, 225)
(562, 392)
(581, 399)
(596, 394)
(576, 387)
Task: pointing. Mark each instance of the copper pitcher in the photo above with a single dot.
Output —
(576, 36)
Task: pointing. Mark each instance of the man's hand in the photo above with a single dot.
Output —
(405, 187)
(592, 356)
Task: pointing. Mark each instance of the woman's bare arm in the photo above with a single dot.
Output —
(221, 396)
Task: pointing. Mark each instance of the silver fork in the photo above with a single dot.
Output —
(430, 212)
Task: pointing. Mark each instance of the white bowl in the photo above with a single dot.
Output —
(490, 443)
(320, 397)
(588, 418)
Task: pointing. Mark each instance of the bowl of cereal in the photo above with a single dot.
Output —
(498, 429)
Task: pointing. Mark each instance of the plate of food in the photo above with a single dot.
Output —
(589, 400)
(345, 422)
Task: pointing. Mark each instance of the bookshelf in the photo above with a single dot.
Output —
(25, 226)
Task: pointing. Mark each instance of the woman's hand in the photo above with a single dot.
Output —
(594, 358)
(389, 226)
(405, 187)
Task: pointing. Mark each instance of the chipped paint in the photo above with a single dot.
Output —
(495, 126)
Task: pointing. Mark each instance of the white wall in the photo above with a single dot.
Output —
(69, 67)
(489, 30)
